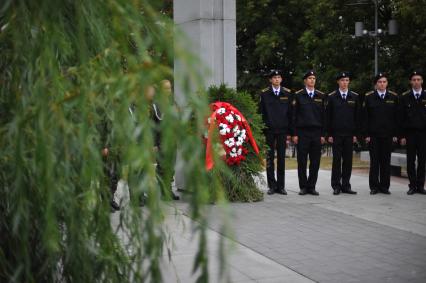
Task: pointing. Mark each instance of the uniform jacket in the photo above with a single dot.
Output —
(412, 113)
(276, 110)
(342, 116)
(380, 115)
(308, 113)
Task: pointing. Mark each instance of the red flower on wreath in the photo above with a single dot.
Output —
(234, 132)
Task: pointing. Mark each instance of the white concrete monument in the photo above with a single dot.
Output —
(210, 26)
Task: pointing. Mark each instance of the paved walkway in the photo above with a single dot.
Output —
(345, 238)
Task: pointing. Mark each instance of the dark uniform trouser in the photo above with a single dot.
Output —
(416, 146)
(342, 162)
(309, 144)
(380, 157)
(111, 171)
(278, 142)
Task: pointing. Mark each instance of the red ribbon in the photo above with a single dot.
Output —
(209, 152)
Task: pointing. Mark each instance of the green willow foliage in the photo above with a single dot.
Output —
(66, 69)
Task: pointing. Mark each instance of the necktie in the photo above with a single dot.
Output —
(344, 96)
(382, 96)
(311, 94)
(417, 95)
(276, 92)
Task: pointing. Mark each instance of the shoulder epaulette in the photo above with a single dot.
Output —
(394, 93)
(355, 92)
(286, 89)
(331, 93)
(370, 92)
(406, 92)
(300, 90)
(265, 89)
(320, 92)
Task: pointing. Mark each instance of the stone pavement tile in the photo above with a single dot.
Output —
(244, 265)
(180, 270)
(321, 245)
(259, 267)
(382, 238)
(397, 210)
(286, 279)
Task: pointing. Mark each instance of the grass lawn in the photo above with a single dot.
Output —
(326, 161)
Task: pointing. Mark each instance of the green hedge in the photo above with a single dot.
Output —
(238, 181)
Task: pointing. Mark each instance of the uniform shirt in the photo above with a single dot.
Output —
(380, 115)
(417, 92)
(342, 115)
(276, 110)
(308, 113)
(275, 90)
(412, 112)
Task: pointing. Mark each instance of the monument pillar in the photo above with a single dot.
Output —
(210, 26)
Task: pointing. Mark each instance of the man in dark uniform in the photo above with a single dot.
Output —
(308, 123)
(413, 132)
(110, 158)
(342, 113)
(380, 127)
(275, 106)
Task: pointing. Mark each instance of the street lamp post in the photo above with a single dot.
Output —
(360, 31)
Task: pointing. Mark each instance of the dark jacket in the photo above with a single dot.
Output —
(380, 115)
(342, 116)
(276, 110)
(308, 113)
(412, 113)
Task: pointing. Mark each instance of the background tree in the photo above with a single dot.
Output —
(298, 35)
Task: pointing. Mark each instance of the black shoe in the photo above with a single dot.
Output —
(303, 192)
(271, 192)
(421, 191)
(175, 196)
(349, 191)
(373, 191)
(115, 205)
(385, 191)
(411, 191)
(336, 191)
(142, 200)
(313, 192)
(281, 192)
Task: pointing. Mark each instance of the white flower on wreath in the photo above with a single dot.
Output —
(236, 131)
(230, 142)
(239, 151)
(230, 118)
(221, 111)
(233, 152)
(240, 141)
(223, 129)
(238, 117)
